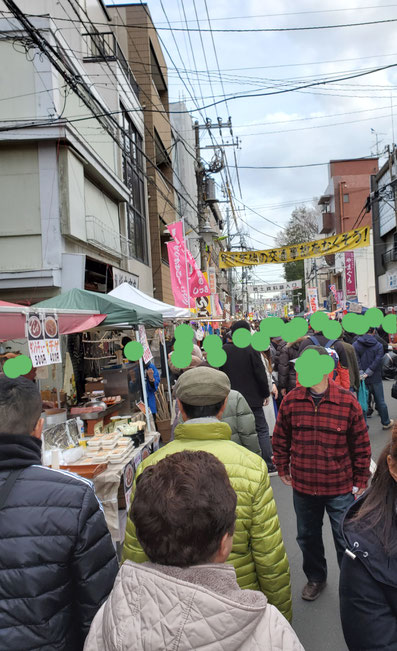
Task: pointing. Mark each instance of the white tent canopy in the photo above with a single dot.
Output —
(130, 294)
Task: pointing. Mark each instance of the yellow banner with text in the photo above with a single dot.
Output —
(347, 241)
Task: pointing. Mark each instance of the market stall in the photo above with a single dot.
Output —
(119, 315)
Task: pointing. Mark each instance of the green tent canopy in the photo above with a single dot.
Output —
(118, 312)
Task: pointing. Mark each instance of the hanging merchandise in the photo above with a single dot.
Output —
(347, 241)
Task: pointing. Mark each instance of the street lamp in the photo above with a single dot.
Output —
(207, 233)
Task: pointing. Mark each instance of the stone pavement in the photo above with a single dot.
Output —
(317, 623)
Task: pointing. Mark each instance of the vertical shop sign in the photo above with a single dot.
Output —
(312, 297)
(350, 274)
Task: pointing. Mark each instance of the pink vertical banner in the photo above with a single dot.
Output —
(350, 274)
(178, 255)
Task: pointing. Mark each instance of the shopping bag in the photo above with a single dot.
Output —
(363, 396)
(394, 390)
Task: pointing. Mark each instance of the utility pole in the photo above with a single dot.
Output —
(200, 178)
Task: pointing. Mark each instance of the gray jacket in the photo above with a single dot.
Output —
(239, 417)
(165, 607)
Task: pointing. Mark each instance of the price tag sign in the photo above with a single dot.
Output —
(43, 339)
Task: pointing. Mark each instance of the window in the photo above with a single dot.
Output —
(134, 179)
(346, 198)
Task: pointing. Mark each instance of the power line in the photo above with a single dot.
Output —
(252, 30)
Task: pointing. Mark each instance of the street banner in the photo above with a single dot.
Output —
(179, 255)
(350, 274)
(215, 302)
(317, 248)
(339, 297)
(311, 294)
(276, 287)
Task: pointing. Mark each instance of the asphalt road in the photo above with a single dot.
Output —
(317, 623)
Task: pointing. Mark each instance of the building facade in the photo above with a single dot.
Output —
(146, 59)
(73, 176)
(345, 207)
(384, 210)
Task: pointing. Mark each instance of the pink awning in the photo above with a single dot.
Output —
(12, 324)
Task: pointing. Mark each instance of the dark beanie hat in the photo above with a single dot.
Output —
(240, 324)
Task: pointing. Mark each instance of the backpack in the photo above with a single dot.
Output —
(331, 351)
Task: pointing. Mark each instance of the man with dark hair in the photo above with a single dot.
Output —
(322, 449)
(185, 597)
(258, 553)
(369, 353)
(246, 372)
(57, 561)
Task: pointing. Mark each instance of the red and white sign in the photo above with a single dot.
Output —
(350, 274)
(179, 258)
(147, 353)
(212, 279)
(43, 339)
(312, 297)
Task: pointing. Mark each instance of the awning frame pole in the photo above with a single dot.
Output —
(143, 381)
(167, 371)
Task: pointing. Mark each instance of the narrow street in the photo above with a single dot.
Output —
(317, 623)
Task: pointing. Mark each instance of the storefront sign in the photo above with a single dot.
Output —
(350, 274)
(357, 308)
(391, 281)
(203, 307)
(212, 279)
(43, 339)
(317, 248)
(312, 297)
(147, 353)
(120, 276)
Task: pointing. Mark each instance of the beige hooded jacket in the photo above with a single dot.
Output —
(155, 607)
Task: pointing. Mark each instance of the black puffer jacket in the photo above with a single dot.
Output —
(286, 370)
(246, 372)
(57, 562)
(367, 589)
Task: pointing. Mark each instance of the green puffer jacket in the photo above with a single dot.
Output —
(239, 416)
(258, 553)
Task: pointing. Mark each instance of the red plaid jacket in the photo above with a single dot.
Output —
(325, 449)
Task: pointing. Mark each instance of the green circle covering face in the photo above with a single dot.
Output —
(260, 341)
(311, 367)
(133, 351)
(349, 322)
(373, 317)
(272, 326)
(216, 356)
(332, 329)
(241, 338)
(17, 366)
(318, 320)
(389, 324)
(295, 329)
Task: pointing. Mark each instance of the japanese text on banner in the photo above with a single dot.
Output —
(359, 237)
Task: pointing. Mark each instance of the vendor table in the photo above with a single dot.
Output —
(113, 486)
(98, 416)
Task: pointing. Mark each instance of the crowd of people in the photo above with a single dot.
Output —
(204, 564)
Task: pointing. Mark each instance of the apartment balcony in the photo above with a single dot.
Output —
(103, 46)
(389, 256)
(327, 222)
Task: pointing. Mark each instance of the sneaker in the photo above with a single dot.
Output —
(389, 426)
(312, 590)
(272, 470)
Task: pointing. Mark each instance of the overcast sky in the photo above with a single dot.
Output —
(296, 128)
